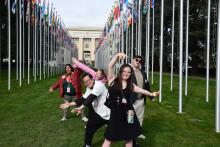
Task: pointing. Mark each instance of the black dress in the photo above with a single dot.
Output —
(118, 128)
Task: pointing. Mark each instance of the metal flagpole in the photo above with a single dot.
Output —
(148, 39)
(40, 43)
(132, 33)
(139, 28)
(17, 39)
(29, 27)
(208, 52)
(181, 56)
(173, 30)
(44, 50)
(35, 45)
(126, 51)
(152, 58)
(48, 48)
(187, 37)
(20, 47)
(9, 46)
(217, 116)
(23, 46)
(161, 49)
(51, 49)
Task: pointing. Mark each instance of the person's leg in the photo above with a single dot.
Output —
(65, 111)
(129, 143)
(93, 124)
(139, 110)
(106, 143)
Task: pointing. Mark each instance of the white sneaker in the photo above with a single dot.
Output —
(141, 136)
(63, 119)
(85, 119)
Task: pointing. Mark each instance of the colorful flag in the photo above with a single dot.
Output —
(145, 5)
(152, 4)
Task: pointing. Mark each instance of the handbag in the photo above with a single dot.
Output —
(107, 102)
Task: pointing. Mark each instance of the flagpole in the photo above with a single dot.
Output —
(208, 52)
(132, 32)
(181, 56)
(161, 49)
(23, 46)
(40, 43)
(152, 58)
(173, 23)
(217, 117)
(148, 39)
(44, 50)
(35, 44)
(20, 47)
(37, 41)
(187, 38)
(29, 27)
(126, 51)
(9, 46)
(139, 28)
(48, 47)
(17, 39)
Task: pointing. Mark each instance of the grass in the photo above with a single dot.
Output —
(29, 117)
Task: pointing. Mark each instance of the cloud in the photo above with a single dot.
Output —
(83, 12)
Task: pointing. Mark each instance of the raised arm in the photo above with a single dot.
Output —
(111, 65)
(139, 90)
(84, 67)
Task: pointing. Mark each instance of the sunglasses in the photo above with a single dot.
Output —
(138, 60)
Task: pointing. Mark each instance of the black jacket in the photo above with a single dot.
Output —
(146, 86)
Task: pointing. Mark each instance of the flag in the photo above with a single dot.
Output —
(13, 8)
(152, 4)
(43, 9)
(145, 4)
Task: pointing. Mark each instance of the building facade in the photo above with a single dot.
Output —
(86, 39)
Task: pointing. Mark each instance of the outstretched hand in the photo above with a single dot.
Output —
(155, 94)
(121, 55)
(64, 105)
(79, 109)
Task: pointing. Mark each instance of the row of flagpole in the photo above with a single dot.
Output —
(56, 33)
(103, 46)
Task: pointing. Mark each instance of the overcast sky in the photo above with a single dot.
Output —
(83, 12)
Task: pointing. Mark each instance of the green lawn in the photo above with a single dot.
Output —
(29, 116)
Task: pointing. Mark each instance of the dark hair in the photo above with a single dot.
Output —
(72, 69)
(118, 80)
(103, 73)
(138, 56)
(86, 74)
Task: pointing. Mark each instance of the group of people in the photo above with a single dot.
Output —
(126, 97)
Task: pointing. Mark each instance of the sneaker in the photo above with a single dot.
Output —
(63, 119)
(85, 119)
(141, 136)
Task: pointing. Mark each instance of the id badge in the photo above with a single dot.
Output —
(124, 101)
(68, 90)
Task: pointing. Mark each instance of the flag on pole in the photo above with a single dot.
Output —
(152, 4)
(145, 5)
(13, 8)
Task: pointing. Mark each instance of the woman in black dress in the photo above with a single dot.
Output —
(123, 123)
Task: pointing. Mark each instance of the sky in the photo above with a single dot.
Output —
(92, 13)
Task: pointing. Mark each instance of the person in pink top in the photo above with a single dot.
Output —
(98, 75)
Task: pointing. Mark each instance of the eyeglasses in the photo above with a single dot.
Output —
(86, 81)
(138, 60)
